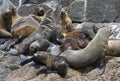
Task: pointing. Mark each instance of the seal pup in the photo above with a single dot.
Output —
(66, 22)
(92, 52)
(50, 61)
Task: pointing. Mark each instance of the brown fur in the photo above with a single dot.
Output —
(70, 32)
(24, 31)
(15, 15)
(70, 44)
(24, 26)
(66, 22)
(5, 23)
(52, 61)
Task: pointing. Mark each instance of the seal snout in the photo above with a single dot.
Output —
(113, 28)
(34, 46)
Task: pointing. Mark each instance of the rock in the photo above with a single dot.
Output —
(15, 2)
(65, 3)
(102, 10)
(27, 9)
(7, 65)
(3, 72)
(95, 10)
(30, 73)
(4, 4)
(12, 62)
(34, 1)
(76, 10)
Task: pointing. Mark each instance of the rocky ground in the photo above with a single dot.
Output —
(33, 73)
(102, 12)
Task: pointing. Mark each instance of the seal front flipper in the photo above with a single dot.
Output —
(46, 70)
(11, 42)
(27, 61)
(101, 65)
(8, 44)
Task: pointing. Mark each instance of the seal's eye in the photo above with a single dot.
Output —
(110, 30)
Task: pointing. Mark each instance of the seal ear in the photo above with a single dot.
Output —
(95, 29)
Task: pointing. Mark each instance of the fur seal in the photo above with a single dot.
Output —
(66, 22)
(46, 27)
(20, 29)
(73, 39)
(5, 23)
(92, 52)
(50, 61)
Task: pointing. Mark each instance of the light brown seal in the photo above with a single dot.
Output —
(92, 52)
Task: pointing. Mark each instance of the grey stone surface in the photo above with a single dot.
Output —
(102, 10)
(7, 65)
(77, 10)
(95, 10)
(27, 9)
(33, 1)
(4, 4)
(15, 2)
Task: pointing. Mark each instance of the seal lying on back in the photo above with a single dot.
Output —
(92, 52)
